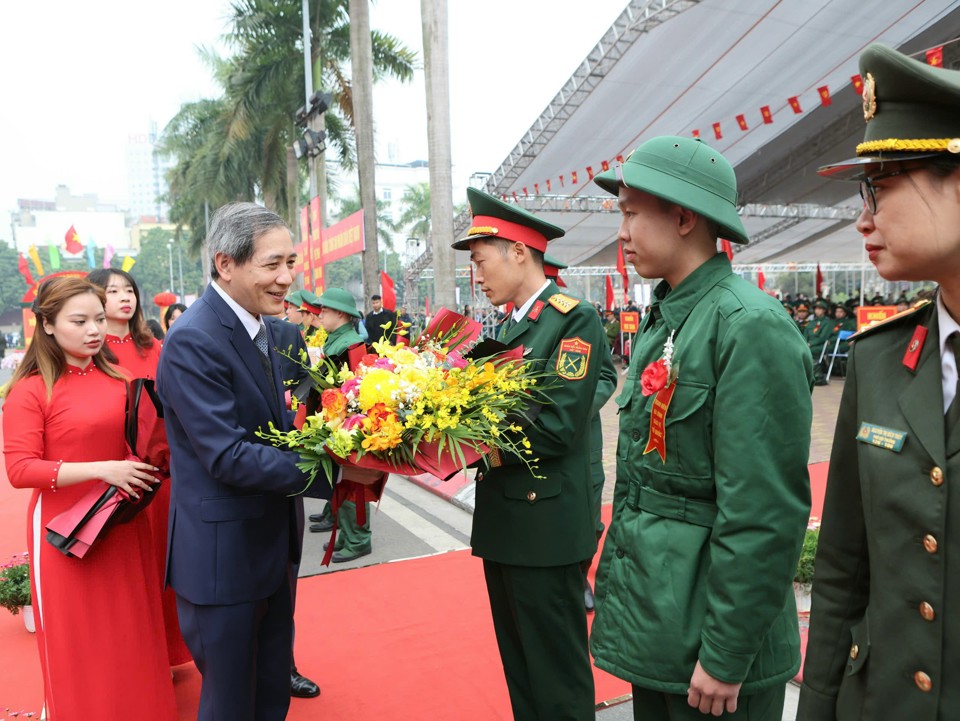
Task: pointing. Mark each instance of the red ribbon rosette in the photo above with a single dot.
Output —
(654, 378)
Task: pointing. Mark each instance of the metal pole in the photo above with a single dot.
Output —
(308, 86)
(170, 254)
(180, 265)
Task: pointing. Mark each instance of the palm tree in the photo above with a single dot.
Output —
(415, 214)
(240, 143)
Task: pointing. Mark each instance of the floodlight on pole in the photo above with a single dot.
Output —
(311, 144)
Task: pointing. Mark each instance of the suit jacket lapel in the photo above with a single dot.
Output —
(922, 399)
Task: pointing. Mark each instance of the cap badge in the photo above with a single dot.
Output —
(954, 145)
(869, 97)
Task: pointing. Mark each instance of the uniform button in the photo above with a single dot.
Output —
(532, 496)
(620, 553)
(854, 652)
(635, 435)
(926, 610)
(936, 476)
(923, 681)
(930, 543)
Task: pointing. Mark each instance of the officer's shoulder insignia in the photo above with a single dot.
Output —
(573, 360)
(563, 303)
(891, 321)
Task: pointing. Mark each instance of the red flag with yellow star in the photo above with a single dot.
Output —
(72, 240)
(824, 91)
(935, 56)
(767, 115)
(857, 83)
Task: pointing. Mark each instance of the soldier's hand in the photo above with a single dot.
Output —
(711, 695)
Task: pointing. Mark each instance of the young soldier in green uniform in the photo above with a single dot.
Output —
(533, 531)
(694, 598)
(884, 629)
(337, 309)
(606, 385)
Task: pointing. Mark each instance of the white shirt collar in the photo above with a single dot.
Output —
(520, 313)
(948, 363)
(250, 322)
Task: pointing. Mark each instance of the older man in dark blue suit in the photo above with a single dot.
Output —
(233, 527)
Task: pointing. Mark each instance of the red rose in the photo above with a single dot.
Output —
(653, 378)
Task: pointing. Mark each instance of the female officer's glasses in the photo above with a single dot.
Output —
(868, 191)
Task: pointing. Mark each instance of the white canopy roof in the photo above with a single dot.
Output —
(667, 67)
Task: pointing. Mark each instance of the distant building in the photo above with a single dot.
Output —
(146, 175)
(46, 222)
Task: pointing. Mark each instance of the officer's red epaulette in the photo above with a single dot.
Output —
(563, 303)
(892, 320)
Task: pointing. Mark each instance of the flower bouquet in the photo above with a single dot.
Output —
(435, 406)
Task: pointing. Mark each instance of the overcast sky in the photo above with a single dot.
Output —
(81, 80)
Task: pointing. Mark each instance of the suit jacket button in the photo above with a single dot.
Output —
(854, 652)
(926, 610)
(532, 496)
(620, 553)
(930, 543)
(936, 476)
(923, 681)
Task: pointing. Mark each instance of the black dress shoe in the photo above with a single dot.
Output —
(324, 525)
(337, 547)
(318, 517)
(302, 687)
(587, 597)
(343, 557)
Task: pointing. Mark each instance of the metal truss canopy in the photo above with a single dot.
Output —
(747, 268)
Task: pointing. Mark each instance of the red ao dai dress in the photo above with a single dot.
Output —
(99, 622)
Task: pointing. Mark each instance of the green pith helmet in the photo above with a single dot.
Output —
(912, 111)
(493, 218)
(309, 302)
(685, 171)
(339, 299)
(552, 264)
(295, 298)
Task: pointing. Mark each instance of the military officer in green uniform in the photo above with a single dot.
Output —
(694, 600)
(337, 309)
(606, 386)
(817, 333)
(884, 637)
(534, 530)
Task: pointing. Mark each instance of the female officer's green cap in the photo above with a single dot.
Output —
(339, 299)
(685, 171)
(912, 111)
(493, 218)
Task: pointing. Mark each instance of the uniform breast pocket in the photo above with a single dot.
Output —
(688, 429)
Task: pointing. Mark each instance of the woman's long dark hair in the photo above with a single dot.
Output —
(44, 357)
(142, 337)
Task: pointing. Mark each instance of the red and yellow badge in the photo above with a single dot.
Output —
(573, 361)
(658, 422)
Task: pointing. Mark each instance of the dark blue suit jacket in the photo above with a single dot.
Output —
(232, 526)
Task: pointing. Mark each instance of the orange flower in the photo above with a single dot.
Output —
(334, 403)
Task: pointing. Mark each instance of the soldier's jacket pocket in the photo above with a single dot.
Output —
(688, 422)
(623, 400)
(852, 697)
(531, 489)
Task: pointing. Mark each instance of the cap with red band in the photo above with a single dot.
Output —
(493, 218)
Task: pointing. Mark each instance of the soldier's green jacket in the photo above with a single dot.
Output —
(817, 333)
(702, 548)
(887, 575)
(526, 521)
(340, 340)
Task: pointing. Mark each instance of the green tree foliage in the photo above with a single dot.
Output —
(237, 147)
(415, 213)
(152, 270)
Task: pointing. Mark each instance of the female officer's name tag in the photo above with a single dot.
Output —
(881, 437)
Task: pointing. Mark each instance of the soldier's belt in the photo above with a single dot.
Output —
(688, 510)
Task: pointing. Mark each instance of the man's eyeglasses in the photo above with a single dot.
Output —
(868, 191)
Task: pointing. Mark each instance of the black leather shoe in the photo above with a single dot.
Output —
(319, 517)
(302, 687)
(324, 525)
(343, 557)
(337, 547)
(588, 597)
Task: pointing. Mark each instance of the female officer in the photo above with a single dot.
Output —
(885, 635)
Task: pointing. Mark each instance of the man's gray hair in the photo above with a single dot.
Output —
(233, 230)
